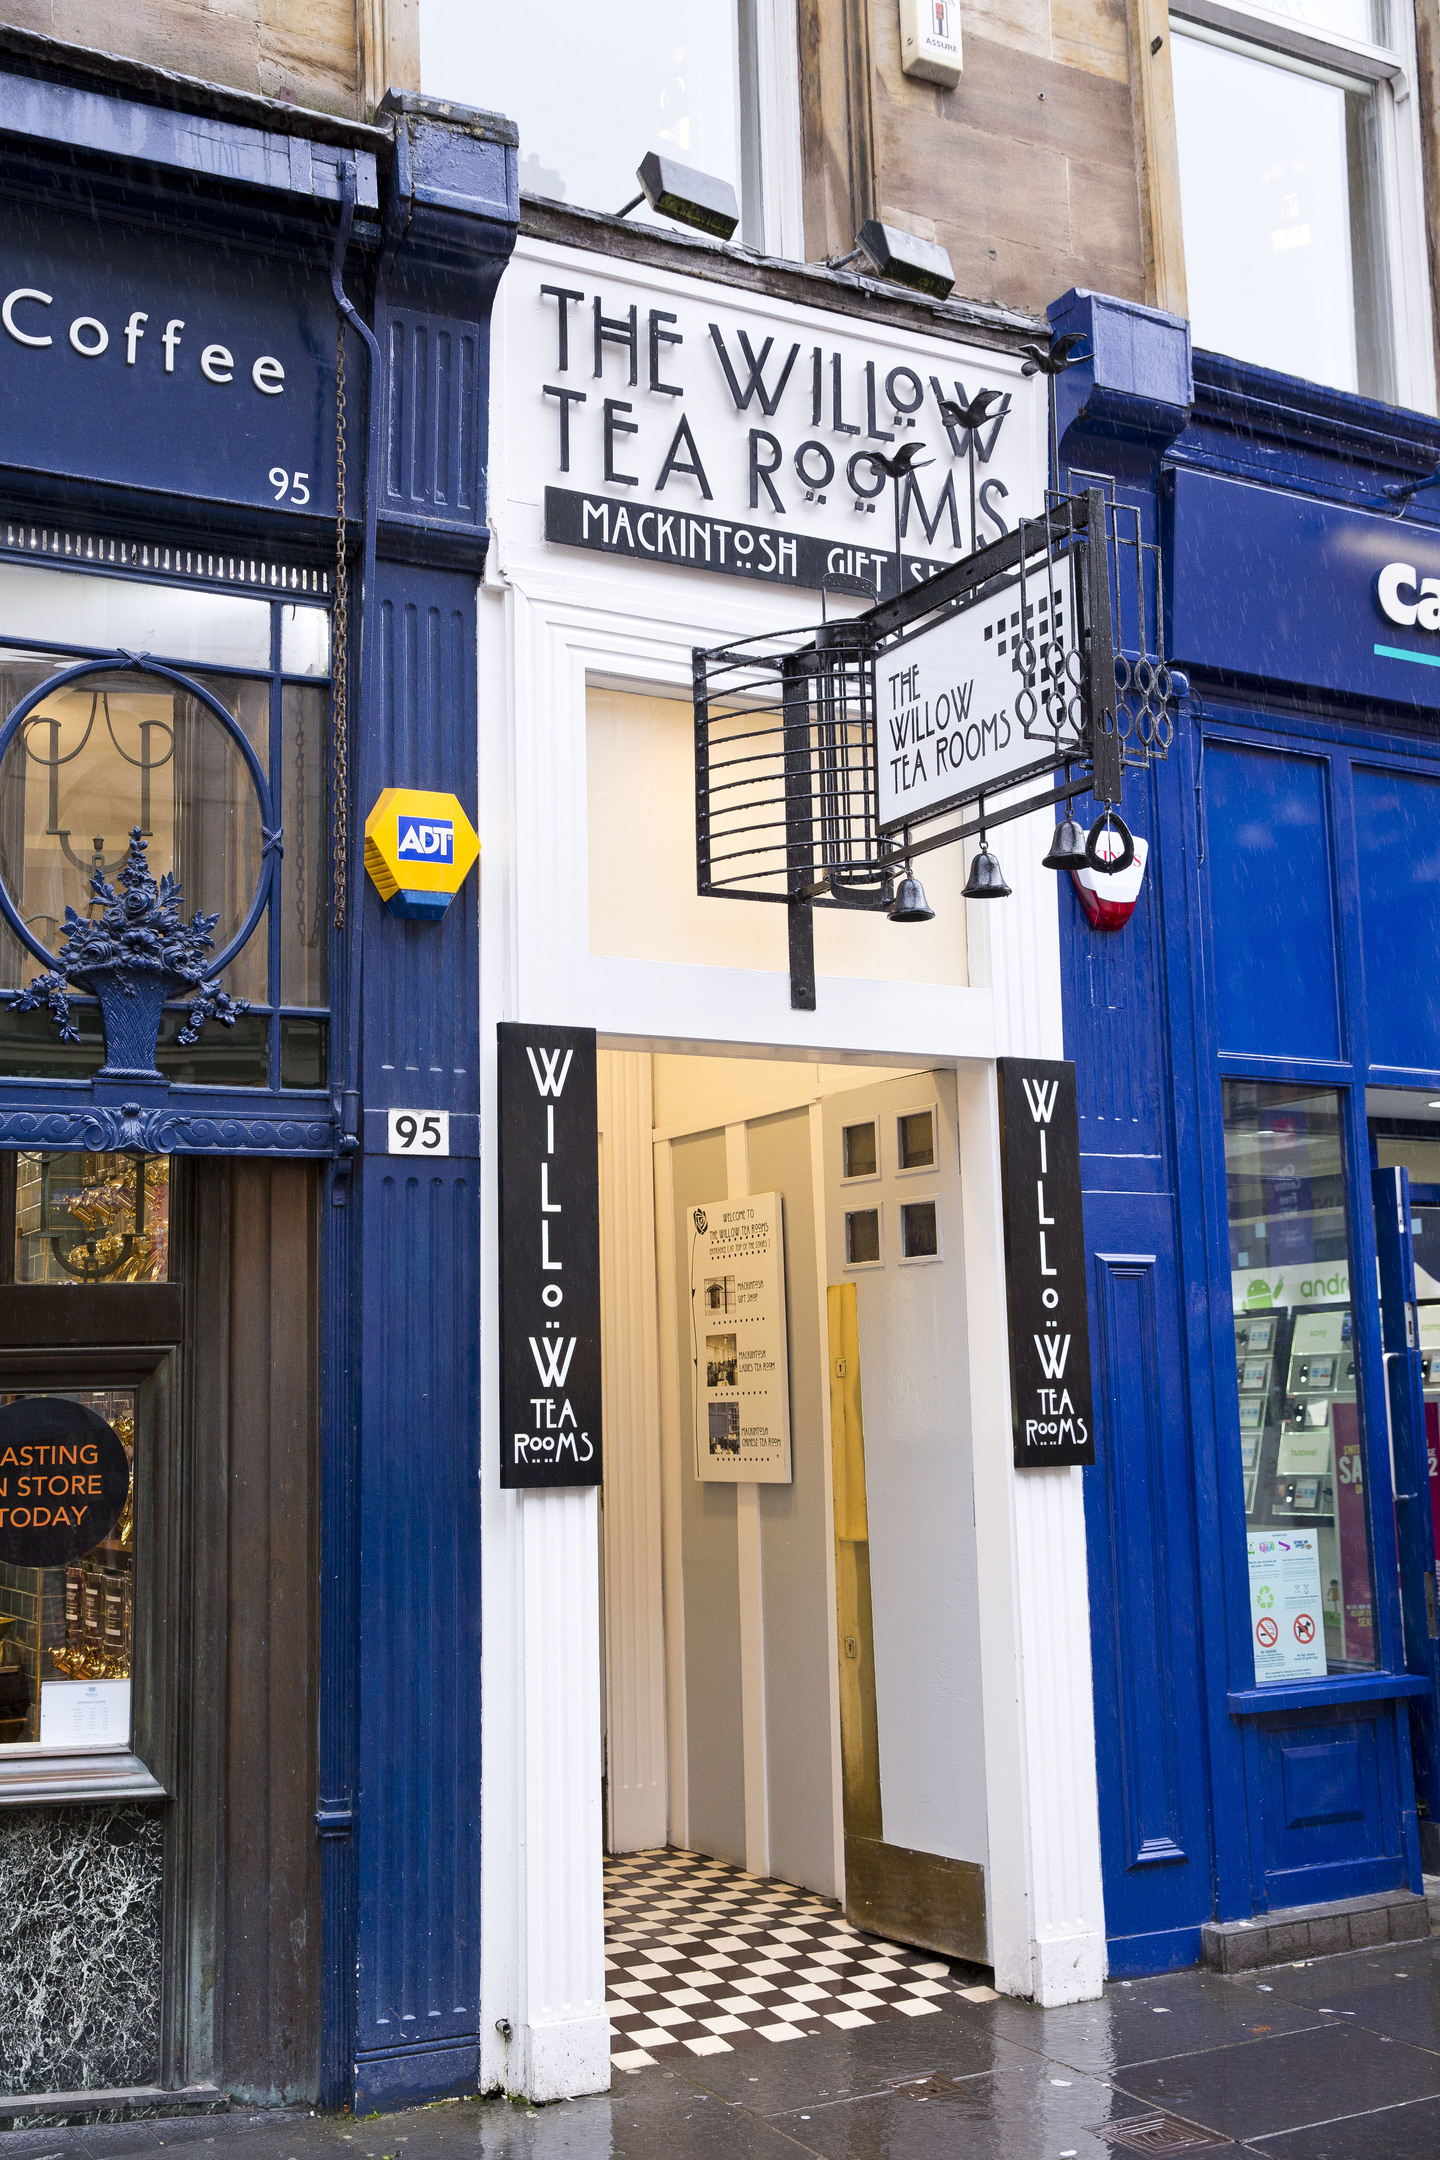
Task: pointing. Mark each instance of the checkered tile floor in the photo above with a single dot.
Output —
(702, 1958)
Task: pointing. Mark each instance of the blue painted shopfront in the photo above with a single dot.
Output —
(208, 220)
(1281, 963)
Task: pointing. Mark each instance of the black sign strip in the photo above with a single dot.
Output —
(1045, 1264)
(549, 1174)
(696, 540)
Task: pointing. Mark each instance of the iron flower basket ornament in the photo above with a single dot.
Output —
(138, 954)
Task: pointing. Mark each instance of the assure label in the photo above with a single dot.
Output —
(549, 1169)
(1045, 1264)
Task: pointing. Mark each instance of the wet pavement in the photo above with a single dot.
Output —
(1337, 2059)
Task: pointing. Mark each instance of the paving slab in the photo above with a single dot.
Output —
(1288, 2082)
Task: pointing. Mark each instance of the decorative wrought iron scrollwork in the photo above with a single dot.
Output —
(137, 953)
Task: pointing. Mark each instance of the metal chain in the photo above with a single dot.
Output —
(339, 631)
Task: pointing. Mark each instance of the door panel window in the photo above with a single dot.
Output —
(1302, 1441)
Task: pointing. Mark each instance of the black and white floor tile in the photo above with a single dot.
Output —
(702, 1958)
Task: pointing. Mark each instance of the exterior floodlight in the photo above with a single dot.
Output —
(905, 260)
(691, 198)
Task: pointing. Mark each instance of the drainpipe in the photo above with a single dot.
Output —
(358, 719)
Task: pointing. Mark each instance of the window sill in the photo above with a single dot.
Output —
(35, 1776)
(1325, 1694)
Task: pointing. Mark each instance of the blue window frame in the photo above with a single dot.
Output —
(112, 752)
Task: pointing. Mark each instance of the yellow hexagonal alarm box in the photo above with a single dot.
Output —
(419, 848)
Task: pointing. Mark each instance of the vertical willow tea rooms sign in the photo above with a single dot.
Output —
(549, 1258)
(1045, 1264)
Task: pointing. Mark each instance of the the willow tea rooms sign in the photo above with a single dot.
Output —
(549, 1258)
(667, 420)
(1045, 1264)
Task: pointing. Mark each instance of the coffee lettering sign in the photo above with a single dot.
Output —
(549, 1258)
(64, 1481)
(1051, 1413)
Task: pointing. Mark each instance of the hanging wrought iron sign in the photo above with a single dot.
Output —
(828, 759)
(134, 952)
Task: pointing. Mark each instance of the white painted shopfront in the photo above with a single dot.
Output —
(667, 1668)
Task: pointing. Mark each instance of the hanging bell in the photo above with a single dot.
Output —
(910, 902)
(986, 880)
(1067, 849)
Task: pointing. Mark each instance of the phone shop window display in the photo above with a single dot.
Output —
(1302, 1438)
(67, 1501)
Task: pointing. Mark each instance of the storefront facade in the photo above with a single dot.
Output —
(1257, 1055)
(679, 438)
(237, 1710)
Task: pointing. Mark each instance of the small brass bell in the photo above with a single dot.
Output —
(986, 880)
(1067, 849)
(910, 902)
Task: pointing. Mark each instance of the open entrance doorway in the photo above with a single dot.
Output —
(791, 1608)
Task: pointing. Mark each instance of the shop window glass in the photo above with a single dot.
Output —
(92, 1218)
(112, 751)
(592, 89)
(862, 1238)
(1302, 1432)
(917, 1140)
(860, 1147)
(191, 625)
(1281, 208)
(920, 1230)
(66, 1632)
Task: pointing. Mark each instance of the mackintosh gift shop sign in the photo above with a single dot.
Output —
(1045, 1264)
(549, 1258)
(680, 423)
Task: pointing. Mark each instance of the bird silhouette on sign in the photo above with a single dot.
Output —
(956, 413)
(905, 461)
(973, 415)
(1061, 355)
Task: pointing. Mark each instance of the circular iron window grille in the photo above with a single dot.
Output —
(134, 951)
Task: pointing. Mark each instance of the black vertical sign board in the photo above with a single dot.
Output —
(549, 1258)
(1045, 1264)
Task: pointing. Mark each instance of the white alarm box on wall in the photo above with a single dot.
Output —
(930, 40)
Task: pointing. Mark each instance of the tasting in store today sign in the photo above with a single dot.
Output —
(549, 1257)
(1045, 1264)
(677, 422)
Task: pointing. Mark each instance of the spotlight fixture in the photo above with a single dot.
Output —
(691, 198)
(902, 258)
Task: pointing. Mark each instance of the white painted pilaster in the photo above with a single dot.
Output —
(561, 2044)
(1047, 1913)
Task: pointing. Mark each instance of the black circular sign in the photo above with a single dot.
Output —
(64, 1481)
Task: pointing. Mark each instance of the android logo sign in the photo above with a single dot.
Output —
(1261, 1295)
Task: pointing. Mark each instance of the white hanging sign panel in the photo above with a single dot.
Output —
(945, 699)
(741, 1365)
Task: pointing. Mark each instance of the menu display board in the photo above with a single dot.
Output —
(740, 1358)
